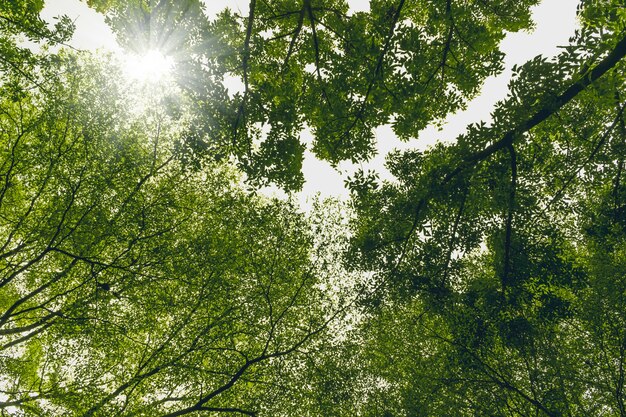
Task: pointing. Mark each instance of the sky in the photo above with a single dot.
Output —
(555, 23)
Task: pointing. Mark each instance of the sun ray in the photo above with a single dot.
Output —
(153, 66)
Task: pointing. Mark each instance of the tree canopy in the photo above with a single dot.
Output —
(143, 274)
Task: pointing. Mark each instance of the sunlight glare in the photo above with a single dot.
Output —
(153, 66)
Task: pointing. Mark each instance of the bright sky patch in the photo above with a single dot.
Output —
(152, 66)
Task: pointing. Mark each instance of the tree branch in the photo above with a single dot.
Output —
(583, 80)
(589, 158)
(455, 228)
(509, 219)
(244, 66)
(228, 410)
(377, 72)
(292, 44)
(316, 47)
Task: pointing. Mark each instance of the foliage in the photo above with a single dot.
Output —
(498, 235)
(311, 65)
(131, 284)
(140, 276)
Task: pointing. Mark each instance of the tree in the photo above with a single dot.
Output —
(139, 278)
(310, 64)
(492, 235)
(131, 283)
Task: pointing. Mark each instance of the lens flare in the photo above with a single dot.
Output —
(152, 66)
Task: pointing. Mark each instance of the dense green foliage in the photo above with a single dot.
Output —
(142, 275)
(129, 282)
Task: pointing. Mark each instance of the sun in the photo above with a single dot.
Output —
(153, 66)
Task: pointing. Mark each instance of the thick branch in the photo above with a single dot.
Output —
(455, 229)
(316, 47)
(246, 45)
(585, 79)
(377, 71)
(200, 404)
(509, 219)
(244, 67)
(446, 47)
(292, 44)
(7, 314)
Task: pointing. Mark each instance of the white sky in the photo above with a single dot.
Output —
(555, 24)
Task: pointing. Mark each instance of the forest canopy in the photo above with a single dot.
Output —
(143, 273)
